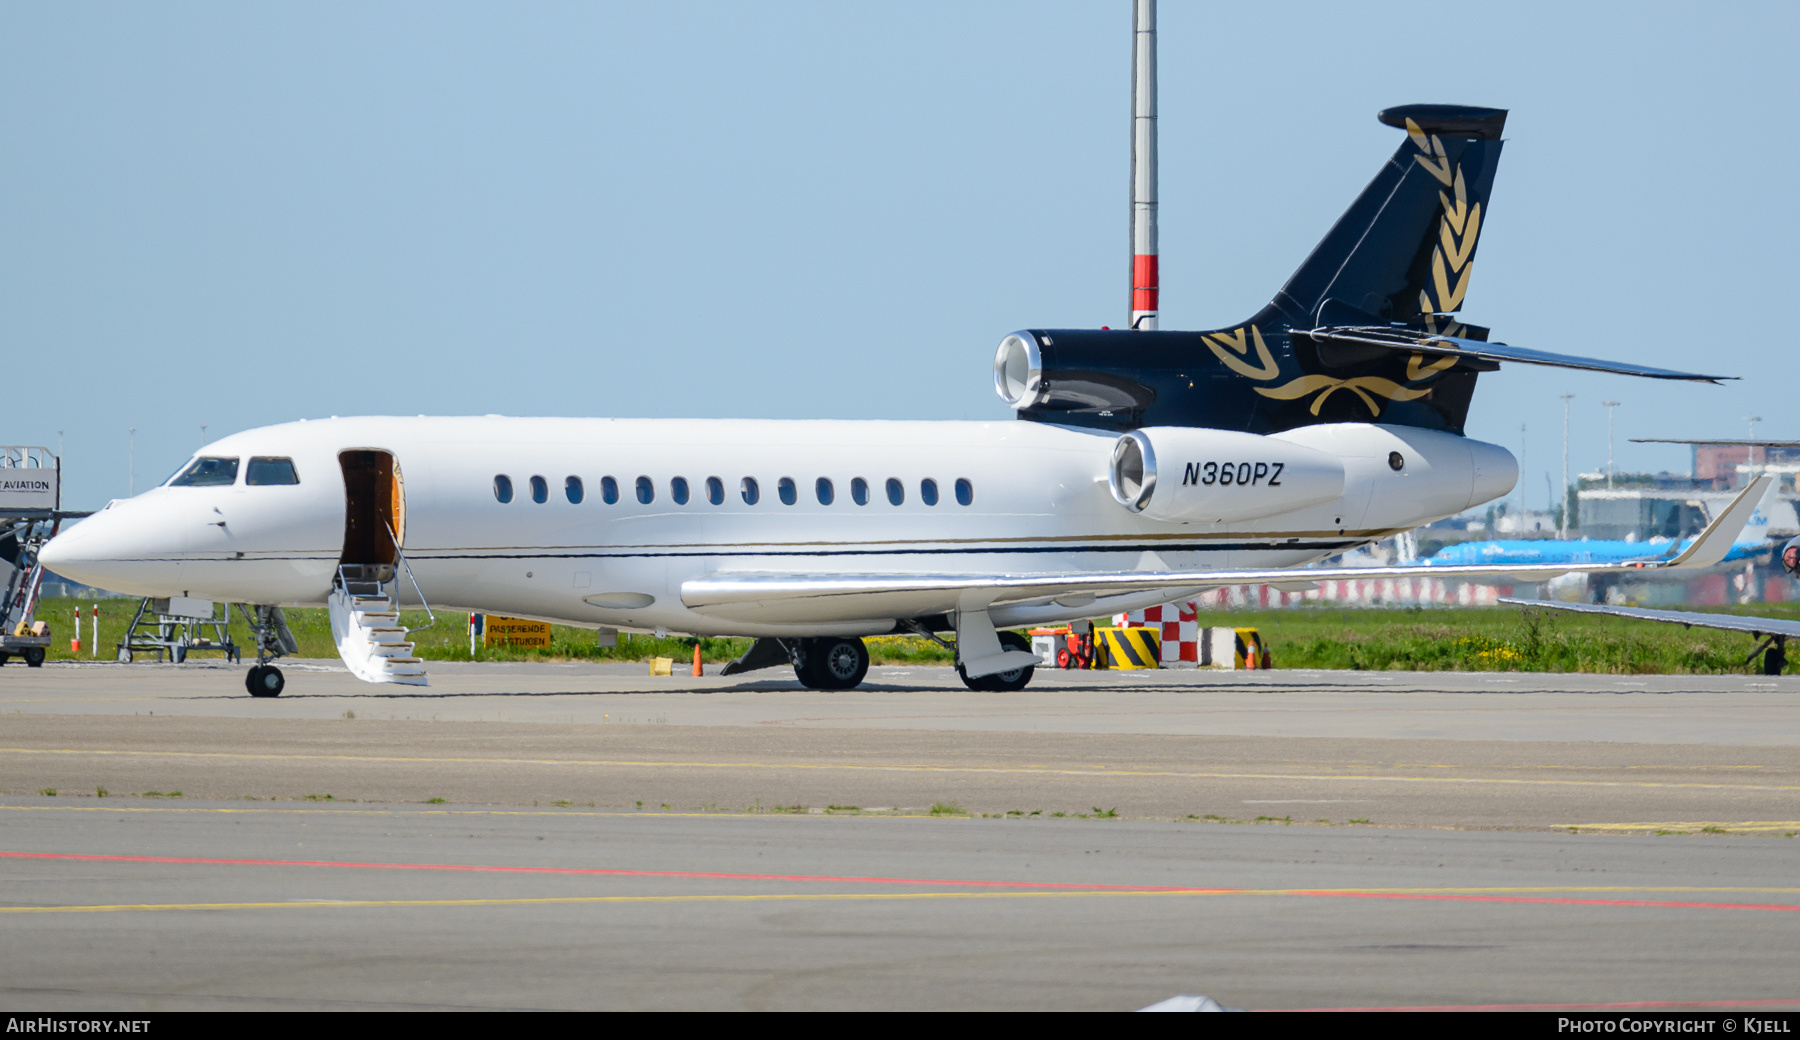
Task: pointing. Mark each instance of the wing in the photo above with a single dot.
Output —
(802, 598)
(1756, 626)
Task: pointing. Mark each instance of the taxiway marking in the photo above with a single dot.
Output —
(767, 897)
(895, 768)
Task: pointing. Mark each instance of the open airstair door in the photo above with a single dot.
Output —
(365, 611)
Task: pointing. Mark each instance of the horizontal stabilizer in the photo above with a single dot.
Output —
(1389, 337)
(1719, 443)
(1756, 626)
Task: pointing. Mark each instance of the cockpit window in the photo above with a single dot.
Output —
(207, 471)
(265, 469)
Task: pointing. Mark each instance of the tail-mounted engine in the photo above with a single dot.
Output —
(1189, 475)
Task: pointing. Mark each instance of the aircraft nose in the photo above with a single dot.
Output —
(127, 547)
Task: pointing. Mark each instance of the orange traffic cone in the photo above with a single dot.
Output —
(697, 671)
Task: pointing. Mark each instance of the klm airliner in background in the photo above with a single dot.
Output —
(1752, 543)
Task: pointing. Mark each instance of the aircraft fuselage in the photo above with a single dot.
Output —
(1037, 502)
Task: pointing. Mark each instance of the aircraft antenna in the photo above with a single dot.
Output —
(1145, 279)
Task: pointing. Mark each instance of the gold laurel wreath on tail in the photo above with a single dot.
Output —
(1230, 348)
(1458, 229)
(1361, 386)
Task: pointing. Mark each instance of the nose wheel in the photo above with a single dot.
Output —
(264, 680)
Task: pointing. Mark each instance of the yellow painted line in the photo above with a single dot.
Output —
(795, 897)
(896, 768)
(333, 904)
(1742, 825)
(771, 814)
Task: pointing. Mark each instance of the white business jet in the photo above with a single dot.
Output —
(1144, 467)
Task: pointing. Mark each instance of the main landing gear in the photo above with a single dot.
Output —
(1002, 682)
(841, 662)
(831, 663)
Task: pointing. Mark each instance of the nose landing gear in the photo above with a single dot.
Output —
(273, 639)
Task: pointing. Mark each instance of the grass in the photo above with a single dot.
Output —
(1482, 639)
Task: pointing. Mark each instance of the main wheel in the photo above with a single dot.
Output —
(806, 665)
(264, 680)
(1004, 682)
(838, 664)
(34, 656)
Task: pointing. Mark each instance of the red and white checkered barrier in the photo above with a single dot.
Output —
(1357, 592)
(1181, 631)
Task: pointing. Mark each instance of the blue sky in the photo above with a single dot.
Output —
(239, 214)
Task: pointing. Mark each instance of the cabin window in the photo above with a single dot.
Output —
(540, 490)
(965, 492)
(785, 488)
(859, 491)
(503, 488)
(752, 493)
(266, 470)
(609, 491)
(896, 491)
(715, 491)
(572, 488)
(678, 490)
(822, 487)
(928, 491)
(646, 491)
(207, 471)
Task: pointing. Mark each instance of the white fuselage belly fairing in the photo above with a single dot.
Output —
(1040, 505)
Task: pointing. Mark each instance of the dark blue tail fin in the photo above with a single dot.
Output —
(1405, 248)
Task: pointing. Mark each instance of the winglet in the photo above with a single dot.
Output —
(1714, 542)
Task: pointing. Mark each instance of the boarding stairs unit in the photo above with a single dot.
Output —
(365, 623)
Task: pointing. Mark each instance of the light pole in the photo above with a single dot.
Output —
(1750, 450)
(1521, 519)
(1562, 527)
(203, 435)
(1610, 405)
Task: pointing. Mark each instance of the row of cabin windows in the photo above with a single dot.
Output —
(218, 471)
(748, 489)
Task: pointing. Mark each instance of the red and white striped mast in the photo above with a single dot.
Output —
(1145, 280)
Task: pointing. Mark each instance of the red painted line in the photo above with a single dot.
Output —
(1043, 886)
(1546, 900)
(1636, 1005)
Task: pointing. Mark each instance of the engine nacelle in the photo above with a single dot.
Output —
(1190, 475)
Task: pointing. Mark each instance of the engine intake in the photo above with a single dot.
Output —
(1032, 373)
